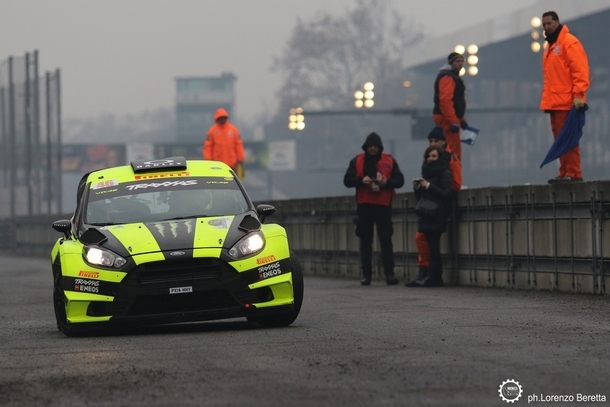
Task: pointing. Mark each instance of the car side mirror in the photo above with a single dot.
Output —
(264, 211)
(63, 226)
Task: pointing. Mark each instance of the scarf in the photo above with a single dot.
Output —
(433, 169)
(370, 164)
(552, 38)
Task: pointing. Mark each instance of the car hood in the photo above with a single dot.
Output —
(184, 234)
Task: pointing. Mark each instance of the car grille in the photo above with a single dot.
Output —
(226, 289)
(167, 272)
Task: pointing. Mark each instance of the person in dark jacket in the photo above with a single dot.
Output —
(375, 175)
(450, 102)
(435, 185)
(436, 137)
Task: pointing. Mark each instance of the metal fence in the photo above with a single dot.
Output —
(527, 237)
(30, 138)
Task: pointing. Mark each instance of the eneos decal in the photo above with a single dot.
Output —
(270, 270)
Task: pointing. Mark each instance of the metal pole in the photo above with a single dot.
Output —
(27, 170)
(48, 191)
(36, 136)
(59, 154)
(11, 141)
(4, 135)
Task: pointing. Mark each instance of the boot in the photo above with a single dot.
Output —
(434, 279)
(423, 273)
(391, 280)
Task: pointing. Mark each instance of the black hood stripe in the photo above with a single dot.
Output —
(174, 235)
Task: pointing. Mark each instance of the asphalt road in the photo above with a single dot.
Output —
(351, 346)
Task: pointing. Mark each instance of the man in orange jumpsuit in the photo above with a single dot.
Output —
(450, 102)
(435, 138)
(565, 69)
(223, 143)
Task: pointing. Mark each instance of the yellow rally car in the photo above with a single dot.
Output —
(168, 241)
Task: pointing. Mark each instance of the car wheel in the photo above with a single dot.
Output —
(59, 305)
(275, 321)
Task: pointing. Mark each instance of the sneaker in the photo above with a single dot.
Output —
(556, 180)
(365, 281)
(568, 179)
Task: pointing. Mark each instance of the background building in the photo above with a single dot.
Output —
(197, 98)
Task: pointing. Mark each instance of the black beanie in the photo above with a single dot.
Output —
(373, 139)
(437, 133)
(453, 56)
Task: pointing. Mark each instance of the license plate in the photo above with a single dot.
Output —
(180, 290)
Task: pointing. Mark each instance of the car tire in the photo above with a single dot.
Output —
(59, 305)
(282, 320)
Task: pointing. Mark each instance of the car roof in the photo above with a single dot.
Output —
(165, 168)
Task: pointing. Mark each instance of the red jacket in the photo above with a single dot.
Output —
(366, 194)
(223, 142)
(566, 72)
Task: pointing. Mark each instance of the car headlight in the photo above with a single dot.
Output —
(102, 257)
(248, 246)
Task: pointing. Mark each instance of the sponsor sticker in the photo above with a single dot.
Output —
(161, 184)
(180, 290)
(220, 223)
(106, 184)
(266, 259)
(168, 175)
(86, 286)
(270, 270)
(89, 274)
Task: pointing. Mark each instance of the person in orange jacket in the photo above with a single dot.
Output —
(565, 69)
(450, 102)
(436, 138)
(223, 143)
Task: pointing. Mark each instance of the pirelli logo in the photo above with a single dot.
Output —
(265, 260)
(168, 175)
(89, 274)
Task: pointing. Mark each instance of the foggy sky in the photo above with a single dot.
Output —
(122, 56)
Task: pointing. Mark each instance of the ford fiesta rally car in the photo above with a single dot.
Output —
(168, 241)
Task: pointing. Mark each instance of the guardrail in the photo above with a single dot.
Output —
(544, 237)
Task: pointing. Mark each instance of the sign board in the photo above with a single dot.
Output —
(283, 155)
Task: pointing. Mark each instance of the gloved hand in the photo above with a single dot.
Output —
(240, 170)
(578, 103)
(464, 124)
(455, 128)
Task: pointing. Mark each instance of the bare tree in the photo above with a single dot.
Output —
(328, 58)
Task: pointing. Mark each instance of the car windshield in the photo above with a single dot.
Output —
(166, 200)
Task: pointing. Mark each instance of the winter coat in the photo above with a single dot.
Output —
(223, 142)
(565, 70)
(439, 191)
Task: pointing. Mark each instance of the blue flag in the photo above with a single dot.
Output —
(569, 136)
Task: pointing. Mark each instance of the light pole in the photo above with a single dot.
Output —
(536, 45)
(472, 59)
(296, 120)
(365, 98)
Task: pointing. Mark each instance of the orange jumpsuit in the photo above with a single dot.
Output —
(223, 142)
(565, 69)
